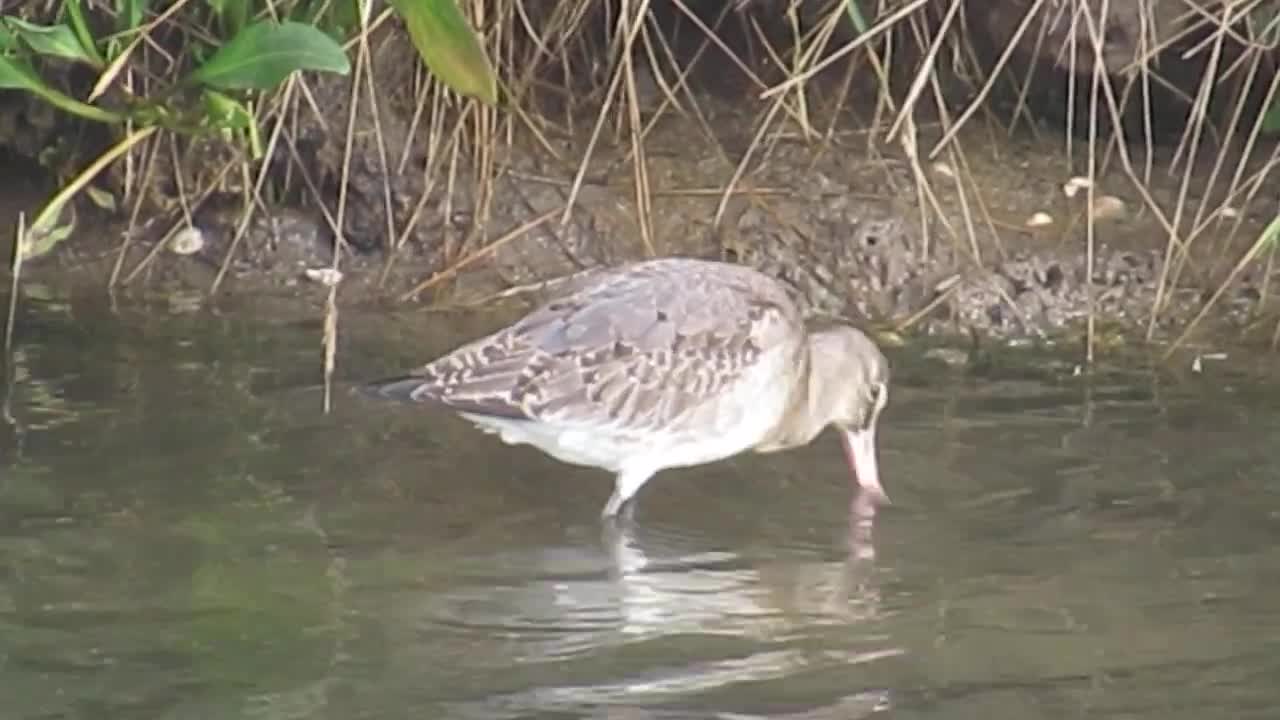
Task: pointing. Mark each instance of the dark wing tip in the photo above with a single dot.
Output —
(404, 388)
(418, 389)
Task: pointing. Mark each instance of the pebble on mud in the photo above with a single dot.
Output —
(943, 169)
(1075, 185)
(187, 241)
(325, 276)
(1109, 207)
(1040, 219)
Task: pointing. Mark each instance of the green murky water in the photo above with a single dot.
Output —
(183, 534)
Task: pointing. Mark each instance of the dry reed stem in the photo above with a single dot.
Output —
(1199, 110)
(639, 162)
(1255, 134)
(156, 249)
(329, 339)
(923, 312)
(11, 320)
(253, 190)
(858, 42)
(15, 281)
(971, 253)
(632, 29)
(1098, 78)
(364, 66)
(1268, 238)
(981, 96)
(461, 264)
(927, 74)
(131, 228)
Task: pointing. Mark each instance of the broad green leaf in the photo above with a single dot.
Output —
(18, 75)
(57, 218)
(84, 36)
(262, 55)
(449, 46)
(6, 38)
(52, 40)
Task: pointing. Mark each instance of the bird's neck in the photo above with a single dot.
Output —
(809, 409)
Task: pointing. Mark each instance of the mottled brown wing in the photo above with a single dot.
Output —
(632, 350)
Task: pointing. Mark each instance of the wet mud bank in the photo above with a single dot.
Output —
(985, 239)
(855, 236)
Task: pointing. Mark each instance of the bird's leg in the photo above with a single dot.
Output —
(625, 486)
(611, 508)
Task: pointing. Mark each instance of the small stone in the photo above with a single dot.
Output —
(1040, 219)
(1229, 212)
(325, 276)
(1109, 207)
(943, 169)
(187, 241)
(1075, 185)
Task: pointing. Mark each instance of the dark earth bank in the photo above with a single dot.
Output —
(984, 240)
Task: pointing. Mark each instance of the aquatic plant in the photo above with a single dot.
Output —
(223, 56)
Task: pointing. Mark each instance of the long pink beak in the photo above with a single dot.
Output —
(860, 451)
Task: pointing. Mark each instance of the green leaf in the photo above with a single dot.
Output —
(233, 118)
(1271, 119)
(226, 112)
(1271, 235)
(340, 17)
(233, 14)
(84, 36)
(855, 16)
(6, 38)
(262, 55)
(449, 46)
(18, 75)
(55, 223)
(51, 40)
(101, 198)
(130, 14)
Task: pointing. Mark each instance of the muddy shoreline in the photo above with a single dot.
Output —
(846, 234)
(978, 241)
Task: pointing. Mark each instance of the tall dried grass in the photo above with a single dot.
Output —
(577, 68)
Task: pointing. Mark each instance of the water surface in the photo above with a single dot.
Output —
(184, 534)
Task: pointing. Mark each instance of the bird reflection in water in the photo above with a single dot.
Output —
(722, 587)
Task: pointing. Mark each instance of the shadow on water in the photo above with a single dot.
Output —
(183, 534)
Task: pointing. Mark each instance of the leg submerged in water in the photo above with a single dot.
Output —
(627, 483)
